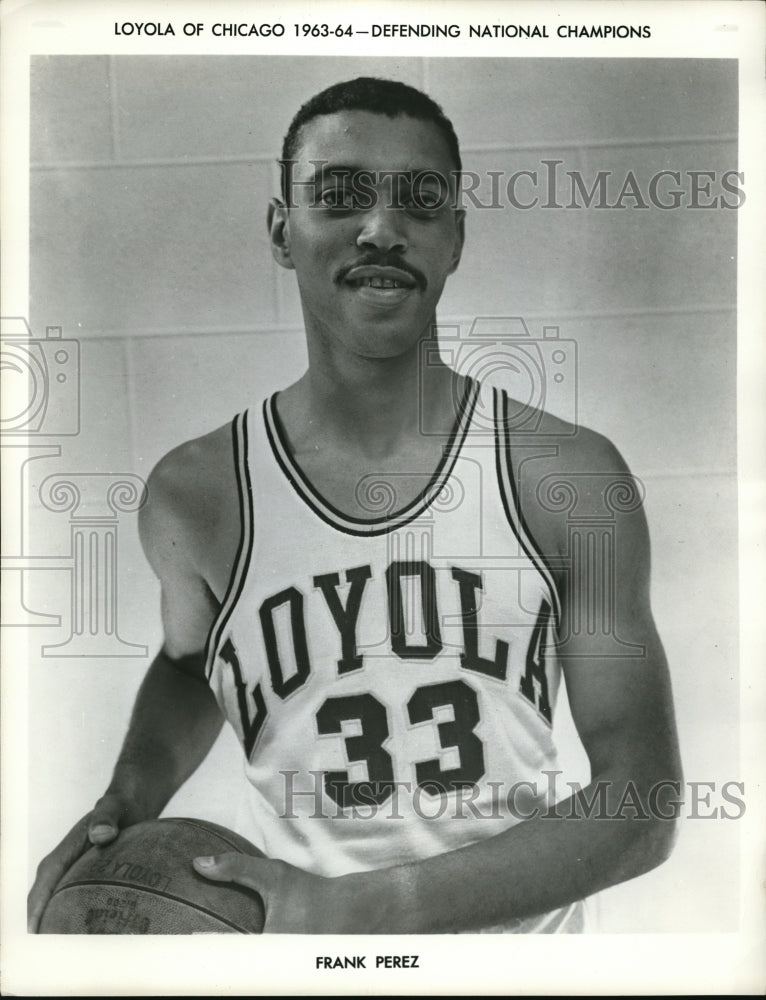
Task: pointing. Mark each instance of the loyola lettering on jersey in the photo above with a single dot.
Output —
(414, 634)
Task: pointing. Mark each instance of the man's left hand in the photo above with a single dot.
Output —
(295, 901)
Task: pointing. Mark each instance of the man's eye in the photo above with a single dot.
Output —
(430, 199)
(338, 198)
(425, 201)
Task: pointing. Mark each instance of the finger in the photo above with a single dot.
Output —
(37, 900)
(102, 831)
(101, 826)
(50, 871)
(104, 823)
(254, 873)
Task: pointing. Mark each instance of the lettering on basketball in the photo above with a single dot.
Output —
(130, 871)
(534, 682)
(346, 617)
(118, 916)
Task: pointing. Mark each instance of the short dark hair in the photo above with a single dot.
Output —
(370, 93)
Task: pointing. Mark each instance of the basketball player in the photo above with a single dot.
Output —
(391, 671)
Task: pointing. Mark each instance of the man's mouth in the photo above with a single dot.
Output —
(380, 277)
(379, 283)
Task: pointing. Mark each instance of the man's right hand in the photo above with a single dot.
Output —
(100, 826)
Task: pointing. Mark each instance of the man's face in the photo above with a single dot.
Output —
(370, 230)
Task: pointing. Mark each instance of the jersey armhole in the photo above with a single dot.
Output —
(240, 443)
(512, 501)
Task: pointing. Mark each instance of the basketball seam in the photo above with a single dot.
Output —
(203, 825)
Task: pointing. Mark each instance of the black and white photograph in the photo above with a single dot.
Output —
(381, 462)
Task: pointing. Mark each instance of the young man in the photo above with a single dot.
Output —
(388, 655)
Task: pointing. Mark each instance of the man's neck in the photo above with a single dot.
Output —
(374, 407)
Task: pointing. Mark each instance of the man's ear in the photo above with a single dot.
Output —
(459, 239)
(278, 223)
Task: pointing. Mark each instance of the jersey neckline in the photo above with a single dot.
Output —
(386, 522)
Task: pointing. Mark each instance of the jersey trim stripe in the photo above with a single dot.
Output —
(239, 433)
(376, 525)
(510, 498)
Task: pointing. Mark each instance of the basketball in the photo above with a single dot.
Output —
(144, 883)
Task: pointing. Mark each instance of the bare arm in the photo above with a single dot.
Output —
(174, 723)
(175, 719)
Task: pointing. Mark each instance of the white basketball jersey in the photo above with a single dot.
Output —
(391, 679)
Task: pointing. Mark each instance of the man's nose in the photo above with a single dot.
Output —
(383, 228)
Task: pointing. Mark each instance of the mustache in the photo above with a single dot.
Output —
(384, 260)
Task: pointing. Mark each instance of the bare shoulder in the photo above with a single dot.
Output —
(572, 447)
(564, 470)
(189, 492)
